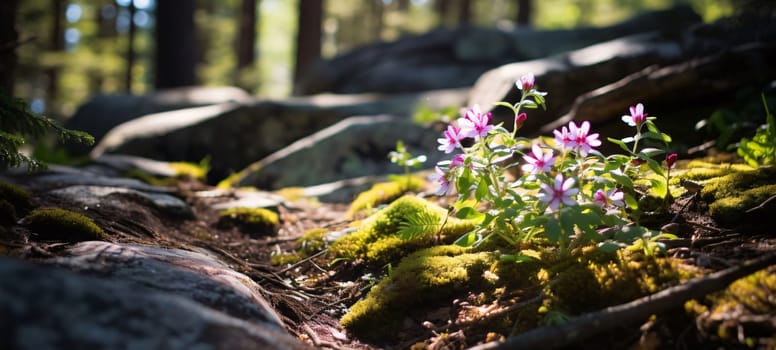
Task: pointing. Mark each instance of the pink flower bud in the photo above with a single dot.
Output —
(671, 159)
(526, 82)
(519, 120)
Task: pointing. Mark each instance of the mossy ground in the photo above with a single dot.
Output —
(384, 192)
(58, 224)
(377, 241)
(252, 221)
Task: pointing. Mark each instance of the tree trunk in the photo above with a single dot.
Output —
(442, 8)
(8, 42)
(308, 36)
(524, 13)
(176, 45)
(130, 49)
(57, 45)
(465, 12)
(246, 42)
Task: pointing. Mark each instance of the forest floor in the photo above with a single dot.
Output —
(313, 294)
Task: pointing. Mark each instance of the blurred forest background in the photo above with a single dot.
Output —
(71, 50)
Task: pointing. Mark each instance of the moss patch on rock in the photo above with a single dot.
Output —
(378, 242)
(422, 279)
(384, 192)
(58, 224)
(252, 221)
(730, 196)
(18, 198)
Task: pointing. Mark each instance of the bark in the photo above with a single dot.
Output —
(8, 42)
(176, 45)
(308, 37)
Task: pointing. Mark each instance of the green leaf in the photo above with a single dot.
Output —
(552, 230)
(517, 258)
(482, 190)
(468, 213)
(467, 240)
(619, 143)
(419, 223)
(659, 187)
(610, 246)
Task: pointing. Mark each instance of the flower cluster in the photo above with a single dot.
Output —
(567, 190)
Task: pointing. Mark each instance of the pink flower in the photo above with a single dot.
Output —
(520, 119)
(560, 192)
(458, 161)
(564, 139)
(538, 160)
(584, 141)
(636, 117)
(440, 177)
(526, 82)
(452, 139)
(614, 197)
(475, 124)
(671, 160)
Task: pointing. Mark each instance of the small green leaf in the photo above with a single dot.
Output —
(619, 143)
(467, 240)
(468, 213)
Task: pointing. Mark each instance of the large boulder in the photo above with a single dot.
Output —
(354, 147)
(236, 135)
(131, 297)
(446, 58)
(103, 112)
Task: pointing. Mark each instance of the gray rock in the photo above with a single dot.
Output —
(96, 196)
(82, 178)
(123, 163)
(235, 136)
(447, 58)
(354, 147)
(48, 308)
(104, 112)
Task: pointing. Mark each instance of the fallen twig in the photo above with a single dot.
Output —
(590, 324)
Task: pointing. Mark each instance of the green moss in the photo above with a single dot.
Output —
(62, 225)
(377, 241)
(312, 241)
(590, 282)
(18, 197)
(7, 213)
(421, 279)
(751, 295)
(384, 192)
(281, 259)
(730, 196)
(192, 170)
(254, 221)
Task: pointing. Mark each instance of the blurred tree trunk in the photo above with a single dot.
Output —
(403, 5)
(377, 14)
(524, 13)
(130, 48)
(8, 42)
(442, 8)
(176, 45)
(465, 12)
(308, 36)
(246, 41)
(57, 45)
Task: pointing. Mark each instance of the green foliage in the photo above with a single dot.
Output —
(62, 225)
(18, 123)
(18, 197)
(761, 149)
(255, 221)
(403, 158)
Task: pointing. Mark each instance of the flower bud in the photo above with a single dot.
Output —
(671, 159)
(519, 120)
(526, 82)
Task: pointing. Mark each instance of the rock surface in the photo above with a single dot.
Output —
(236, 135)
(447, 58)
(354, 147)
(45, 307)
(104, 112)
